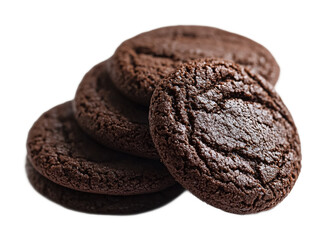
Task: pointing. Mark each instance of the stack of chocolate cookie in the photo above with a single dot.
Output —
(177, 107)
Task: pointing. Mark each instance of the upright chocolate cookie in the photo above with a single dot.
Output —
(142, 61)
(100, 203)
(61, 152)
(226, 136)
(116, 122)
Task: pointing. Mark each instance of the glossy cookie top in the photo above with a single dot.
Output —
(60, 151)
(226, 136)
(142, 61)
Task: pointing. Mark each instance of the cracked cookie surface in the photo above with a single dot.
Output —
(60, 151)
(142, 61)
(226, 136)
(107, 116)
(100, 203)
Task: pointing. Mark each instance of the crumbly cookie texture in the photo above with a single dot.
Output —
(60, 151)
(142, 61)
(226, 136)
(111, 119)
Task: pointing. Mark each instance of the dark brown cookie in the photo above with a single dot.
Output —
(61, 152)
(111, 119)
(226, 136)
(142, 61)
(100, 203)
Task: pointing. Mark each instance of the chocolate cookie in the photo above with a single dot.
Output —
(111, 119)
(142, 61)
(61, 152)
(226, 136)
(100, 203)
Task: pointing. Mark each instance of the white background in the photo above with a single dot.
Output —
(46, 48)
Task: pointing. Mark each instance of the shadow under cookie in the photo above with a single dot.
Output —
(100, 203)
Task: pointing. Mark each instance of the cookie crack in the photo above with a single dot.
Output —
(230, 77)
(150, 52)
(191, 123)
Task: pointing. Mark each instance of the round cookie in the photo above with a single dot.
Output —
(114, 121)
(142, 61)
(61, 152)
(100, 203)
(226, 136)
